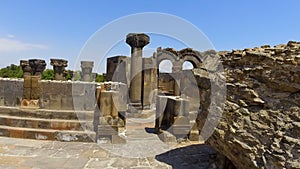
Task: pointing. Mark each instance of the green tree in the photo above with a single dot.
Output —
(69, 75)
(76, 76)
(99, 78)
(48, 74)
(12, 71)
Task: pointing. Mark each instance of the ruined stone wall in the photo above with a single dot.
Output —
(260, 126)
(56, 95)
(11, 91)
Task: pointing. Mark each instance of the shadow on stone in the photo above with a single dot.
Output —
(195, 156)
(151, 130)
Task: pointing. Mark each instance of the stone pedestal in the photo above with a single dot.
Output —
(25, 67)
(59, 66)
(136, 42)
(32, 73)
(31, 92)
(112, 105)
(172, 114)
(149, 82)
(37, 67)
(86, 71)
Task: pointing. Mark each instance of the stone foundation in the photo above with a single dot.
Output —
(56, 95)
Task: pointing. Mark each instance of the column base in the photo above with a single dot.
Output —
(135, 107)
(30, 104)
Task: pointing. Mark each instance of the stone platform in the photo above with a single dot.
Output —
(142, 149)
(43, 124)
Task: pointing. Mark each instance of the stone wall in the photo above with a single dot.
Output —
(260, 126)
(11, 92)
(56, 95)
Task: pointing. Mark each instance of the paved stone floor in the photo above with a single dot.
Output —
(37, 154)
(142, 150)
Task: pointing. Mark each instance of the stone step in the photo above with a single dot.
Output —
(47, 114)
(57, 124)
(47, 134)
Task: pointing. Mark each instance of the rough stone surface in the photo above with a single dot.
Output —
(59, 66)
(260, 124)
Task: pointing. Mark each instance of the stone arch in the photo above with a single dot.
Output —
(194, 57)
(187, 65)
(168, 54)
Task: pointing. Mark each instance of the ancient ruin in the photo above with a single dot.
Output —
(59, 68)
(258, 120)
(86, 73)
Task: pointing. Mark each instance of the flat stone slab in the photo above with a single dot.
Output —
(23, 153)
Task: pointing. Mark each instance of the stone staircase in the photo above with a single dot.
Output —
(42, 124)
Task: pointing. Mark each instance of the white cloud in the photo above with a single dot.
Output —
(11, 36)
(12, 45)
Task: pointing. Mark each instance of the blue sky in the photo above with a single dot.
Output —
(60, 28)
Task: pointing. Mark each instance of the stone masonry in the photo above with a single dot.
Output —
(136, 42)
(86, 73)
(112, 104)
(260, 127)
(59, 66)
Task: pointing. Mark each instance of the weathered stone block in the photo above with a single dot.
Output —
(194, 135)
(180, 130)
(27, 93)
(27, 81)
(116, 139)
(67, 103)
(35, 81)
(55, 102)
(16, 133)
(106, 130)
(105, 103)
(1, 101)
(181, 107)
(90, 103)
(35, 93)
(45, 103)
(167, 137)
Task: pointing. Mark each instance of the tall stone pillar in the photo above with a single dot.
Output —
(25, 67)
(86, 71)
(37, 66)
(136, 42)
(177, 72)
(59, 66)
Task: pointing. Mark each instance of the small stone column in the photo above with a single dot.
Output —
(59, 66)
(33, 70)
(86, 71)
(37, 66)
(136, 42)
(25, 67)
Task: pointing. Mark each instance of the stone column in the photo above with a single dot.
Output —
(86, 71)
(25, 67)
(136, 42)
(177, 72)
(59, 66)
(37, 66)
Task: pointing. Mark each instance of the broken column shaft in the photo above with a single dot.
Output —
(59, 66)
(136, 42)
(86, 71)
(37, 67)
(25, 67)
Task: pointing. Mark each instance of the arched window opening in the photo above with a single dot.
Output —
(165, 66)
(187, 65)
